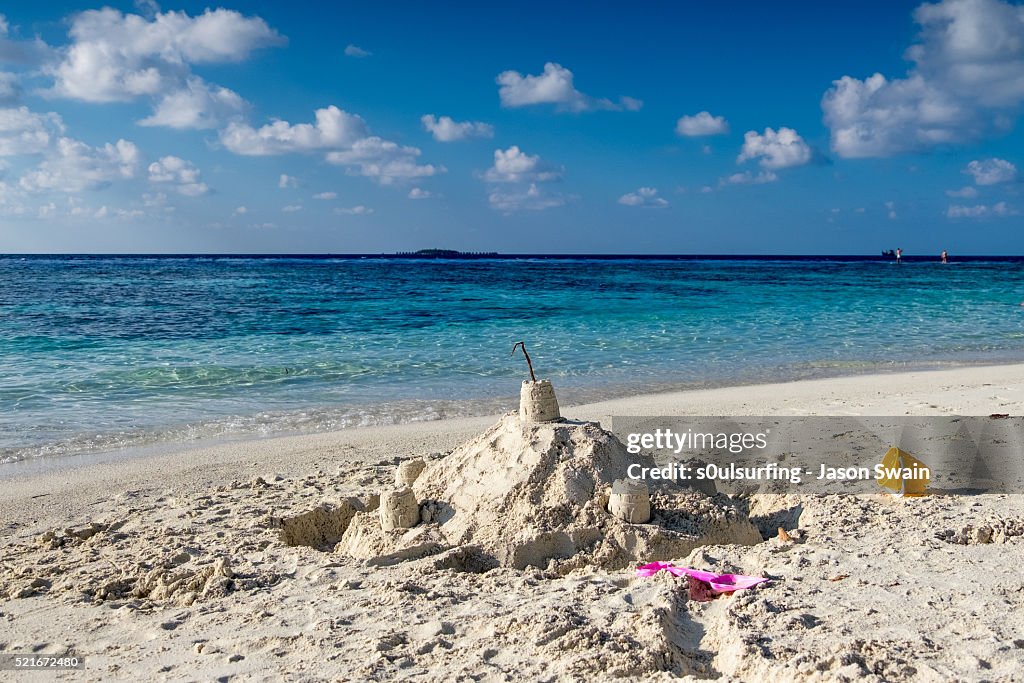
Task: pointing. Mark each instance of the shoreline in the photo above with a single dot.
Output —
(961, 390)
(166, 439)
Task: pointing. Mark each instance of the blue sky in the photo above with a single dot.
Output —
(842, 127)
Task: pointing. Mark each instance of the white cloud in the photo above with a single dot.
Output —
(292, 208)
(240, 211)
(356, 51)
(10, 90)
(74, 166)
(446, 129)
(23, 52)
(646, 197)
(980, 211)
(197, 105)
(26, 132)
(358, 210)
(515, 166)
(153, 201)
(531, 198)
(334, 128)
(523, 172)
(115, 57)
(965, 192)
(419, 193)
(966, 81)
(325, 195)
(554, 86)
(776, 150)
(183, 174)
(383, 161)
(748, 178)
(890, 207)
(343, 136)
(701, 124)
(991, 171)
(286, 181)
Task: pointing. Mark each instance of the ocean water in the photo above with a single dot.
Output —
(98, 353)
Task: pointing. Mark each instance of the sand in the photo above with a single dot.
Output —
(241, 561)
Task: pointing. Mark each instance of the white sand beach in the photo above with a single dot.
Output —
(175, 566)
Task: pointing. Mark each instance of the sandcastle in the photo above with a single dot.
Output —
(551, 493)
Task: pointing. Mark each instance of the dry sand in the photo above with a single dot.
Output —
(230, 562)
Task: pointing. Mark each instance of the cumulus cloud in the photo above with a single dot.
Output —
(420, 193)
(10, 90)
(115, 57)
(197, 105)
(965, 192)
(775, 149)
(966, 81)
(21, 52)
(325, 195)
(333, 128)
(182, 174)
(991, 171)
(748, 178)
(344, 138)
(512, 165)
(980, 211)
(446, 129)
(890, 208)
(358, 210)
(518, 177)
(701, 124)
(532, 198)
(554, 86)
(645, 197)
(292, 208)
(25, 132)
(286, 181)
(356, 51)
(74, 166)
(383, 161)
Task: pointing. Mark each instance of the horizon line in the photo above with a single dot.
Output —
(487, 255)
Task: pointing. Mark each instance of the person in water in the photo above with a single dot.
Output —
(945, 256)
(899, 255)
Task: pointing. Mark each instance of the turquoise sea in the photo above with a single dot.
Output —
(98, 353)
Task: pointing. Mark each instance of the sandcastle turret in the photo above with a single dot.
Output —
(399, 509)
(630, 501)
(408, 472)
(537, 401)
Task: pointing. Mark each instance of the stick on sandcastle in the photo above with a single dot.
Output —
(536, 489)
(537, 402)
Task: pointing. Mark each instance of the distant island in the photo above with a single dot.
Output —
(446, 254)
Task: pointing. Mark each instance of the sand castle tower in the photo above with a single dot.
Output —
(537, 401)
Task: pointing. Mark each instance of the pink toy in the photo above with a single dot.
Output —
(703, 585)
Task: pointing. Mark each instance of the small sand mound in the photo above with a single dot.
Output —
(320, 528)
(536, 495)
